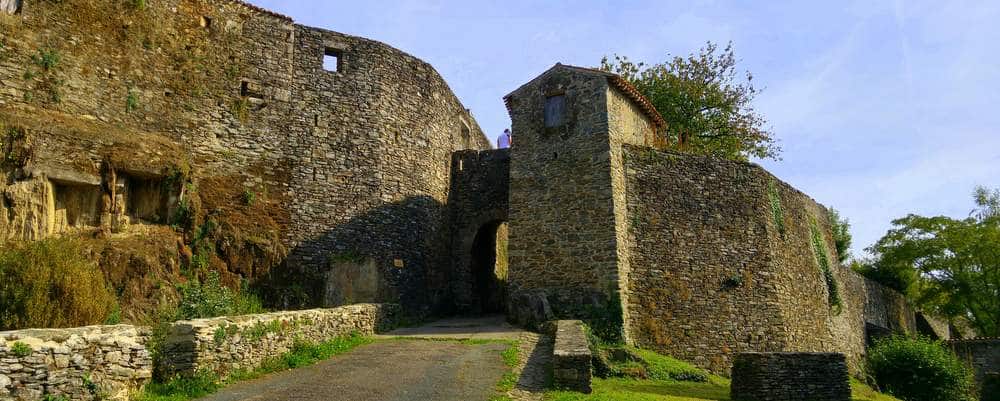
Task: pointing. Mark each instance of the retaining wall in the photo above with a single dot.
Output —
(762, 376)
(78, 363)
(984, 356)
(571, 357)
(225, 344)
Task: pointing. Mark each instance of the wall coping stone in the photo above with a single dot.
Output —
(571, 357)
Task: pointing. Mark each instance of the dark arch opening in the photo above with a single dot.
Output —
(489, 267)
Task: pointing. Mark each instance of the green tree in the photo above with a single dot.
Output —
(708, 108)
(951, 266)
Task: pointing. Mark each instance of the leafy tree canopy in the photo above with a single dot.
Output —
(708, 108)
(949, 266)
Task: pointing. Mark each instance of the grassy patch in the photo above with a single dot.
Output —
(511, 356)
(200, 384)
(660, 383)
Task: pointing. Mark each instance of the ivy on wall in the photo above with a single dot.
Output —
(823, 261)
(776, 211)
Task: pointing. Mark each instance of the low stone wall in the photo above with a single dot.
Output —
(790, 376)
(984, 356)
(242, 342)
(81, 363)
(571, 357)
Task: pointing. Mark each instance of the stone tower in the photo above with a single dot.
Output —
(568, 250)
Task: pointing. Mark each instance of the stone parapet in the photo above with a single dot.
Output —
(225, 344)
(78, 363)
(790, 376)
(571, 357)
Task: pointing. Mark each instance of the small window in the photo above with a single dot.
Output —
(333, 59)
(555, 108)
(10, 6)
(206, 22)
(251, 90)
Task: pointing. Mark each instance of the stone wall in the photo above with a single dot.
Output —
(571, 357)
(983, 354)
(353, 161)
(790, 377)
(78, 363)
(224, 344)
(723, 260)
(480, 189)
(702, 286)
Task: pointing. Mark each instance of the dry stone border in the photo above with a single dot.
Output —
(78, 363)
(225, 344)
(85, 363)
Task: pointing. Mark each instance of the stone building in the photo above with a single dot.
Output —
(697, 257)
(331, 169)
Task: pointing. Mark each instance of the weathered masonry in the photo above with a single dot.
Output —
(330, 169)
(116, 115)
(697, 257)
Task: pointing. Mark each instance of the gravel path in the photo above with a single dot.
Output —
(387, 370)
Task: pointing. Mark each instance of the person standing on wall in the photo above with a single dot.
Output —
(503, 141)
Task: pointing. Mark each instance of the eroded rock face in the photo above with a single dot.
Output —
(27, 212)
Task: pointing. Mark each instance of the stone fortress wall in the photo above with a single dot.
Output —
(698, 257)
(376, 179)
(353, 161)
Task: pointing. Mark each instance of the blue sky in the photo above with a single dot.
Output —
(882, 108)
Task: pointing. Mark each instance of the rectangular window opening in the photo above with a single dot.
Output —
(555, 110)
(333, 59)
(251, 90)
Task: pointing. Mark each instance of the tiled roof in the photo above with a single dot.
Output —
(259, 9)
(623, 85)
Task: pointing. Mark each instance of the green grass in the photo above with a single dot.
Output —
(511, 357)
(200, 384)
(660, 384)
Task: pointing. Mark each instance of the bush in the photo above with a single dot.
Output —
(211, 299)
(51, 283)
(919, 370)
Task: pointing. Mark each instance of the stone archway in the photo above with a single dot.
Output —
(488, 268)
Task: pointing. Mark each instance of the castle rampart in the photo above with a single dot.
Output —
(351, 159)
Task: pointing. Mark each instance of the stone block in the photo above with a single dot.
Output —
(571, 357)
(790, 376)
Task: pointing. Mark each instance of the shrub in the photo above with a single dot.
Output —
(51, 283)
(919, 370)
(20, 349)
(211, 299)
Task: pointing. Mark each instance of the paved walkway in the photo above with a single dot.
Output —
(462, 328)
(403, 366)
